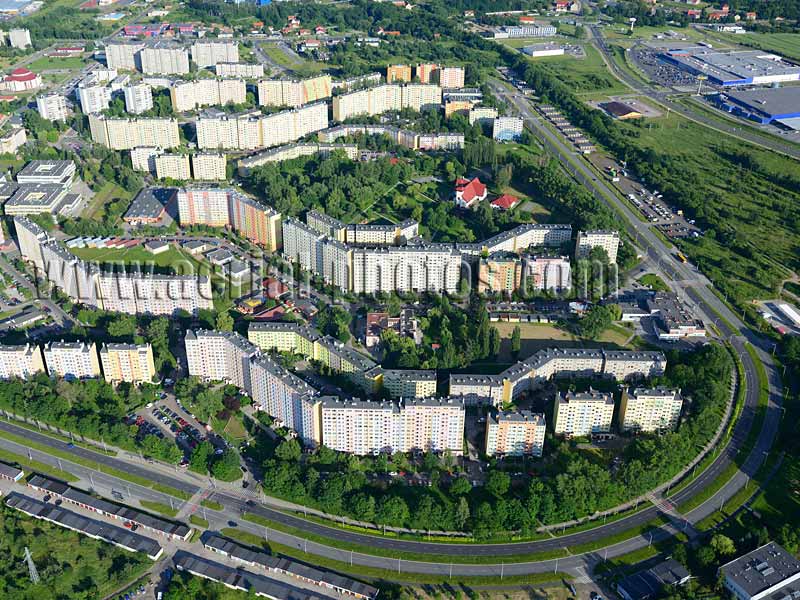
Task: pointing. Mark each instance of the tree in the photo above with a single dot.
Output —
(122, 326)
(224, 321)
(494, 341)
(462, 513)
(516, 341)
(722, 545)
(460, 486)
(497, 483)
(226, 466)
(289, 450)
(198, 461)
(362, 507)
(392, 510)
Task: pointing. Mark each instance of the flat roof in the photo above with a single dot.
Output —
(47, 168)
(37, 195)
(774, 102)
(762, 569)
(733, 67)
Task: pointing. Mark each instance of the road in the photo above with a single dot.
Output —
(665, 99)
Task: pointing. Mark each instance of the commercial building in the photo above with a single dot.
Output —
(735, 68)
(524, 31)
(673, 321)
(138, 98)
(164, 58)
(52, 107)
(763, 105)
(93, 98)
(401, 73)
(209, 53)
(10, 472)
(189, 95)
(239, 70)
(294, 92)
(418, 425)
(384, 98)
(482, 115)
(72, 360)
(126, 134)
(597, 238)
(543, 50)
(620, 111)
(507, 128)
(515, 433)
(131, 363)
(20, 361)
(405, 324)
(208, 166)
(650, 409)
(173, 166)
(57, 172)
(500, 272)
(403, 383)
(39, 198)
(583, 413)
(766, 572)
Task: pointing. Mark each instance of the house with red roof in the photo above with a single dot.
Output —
(20, 80)
(694, 14)
(469, 191)
(505, 202)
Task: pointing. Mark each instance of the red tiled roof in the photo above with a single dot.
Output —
(21, 74)
(470, 189)
(506, 202)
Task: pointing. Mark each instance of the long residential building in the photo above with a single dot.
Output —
(385, 98)
(621, 365)
(413, 425)
(650, 409)
(292, 151)
(583, 413)
(93, 98)
(221, 207)
(209, 53)
(253, 130)
(164, 59)
(515, 434)
(130, 363)
(239, 70)
(293, 92)
(126, 134)
(414, 140)
(123, 55)
(52, 107)
(72, 360)
(20, 361)
(189, 95)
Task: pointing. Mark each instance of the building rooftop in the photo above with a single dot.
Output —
(10, 471)
(770, 101)
(46, 170)
(520, 416)
(149, 204)
(767, 569)
(590, 396)
(650, 583)
(37, 196)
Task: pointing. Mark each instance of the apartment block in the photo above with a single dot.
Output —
(164, 59)
(52, 107)
(427, 72)
(404, 383)
(403, 137)
(220, 356)
(507, 128)
(294, 92)
(173, 166)
(189, 95)
(517, 433)
(207, 54)
(457, 107)
(151, 294)
(239, 70)
(138, 98)
(22, 361)
(482, 115)
(72, 360)
(126, 134)
(292, 151)
(401, 73)
(420, 425)
(420, 268)
(650, 409)
(143, 158)
(208, 166)
(93, 98)
(130, 363)
(501, 272)
(384, 98)
(12, 140)
(583, 413)
(598, 238)
(451, 77)
(547, 273)
(123, 55)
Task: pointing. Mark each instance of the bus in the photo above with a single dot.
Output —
(682, 258)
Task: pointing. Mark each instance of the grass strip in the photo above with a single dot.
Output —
(211, 504)
(627, 534)
(35, 465)
(58, 436)
(373, 573)
(160, 507)
(91, 464)
(199, 521)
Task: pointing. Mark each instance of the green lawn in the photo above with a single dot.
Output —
(49, 63)
(159, 507)
(588, 77)
(105, 196)
(785, 44)
(654, 281)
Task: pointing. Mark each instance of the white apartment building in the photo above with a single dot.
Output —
(204, 206)
(153, 294)
(173, 166)
(515, 434)
(451, 77)
(293, 92)
(421, 425)
(384, 98)
(93, 98)
(72, 360)
(12, 140)
(548, 273)
(482, 114)
(52, 107)
(302, 244)
(164, 59)
(208, 166)
(138, 98)
(131, 363)
(420, 268)
(143, 158)
(507, 128)
(650, 409)
(189, 95)
(220, 356)
(597, 238)
(126, 134)
(583, 413)
(123, 55)
(20, 361)
(19, 38)
(290, 125)
(30, 237)
(239, 70)
(624, 365)
(209, 53)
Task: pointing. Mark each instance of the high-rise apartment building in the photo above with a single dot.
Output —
(384, 98)
(507, 128)
(123, 55)
(597, 238)
(547, 273)
(20, 361)
(138, 98)
(500, 272)
(650, 409)
(130, 363)
(401, 73)
(482, 114)
(451, 77)
(52, 107)
(204, 206)
(209, 53)
(583, 413)
(220, 356)
(164, 58)
(239, 70)
(72, 360)
(208, 166)
(293, 92)
(173, 166)
(126, 134)
(93, 98)
(426, 72)
(517, 433)
(143, 158)
(189, 95)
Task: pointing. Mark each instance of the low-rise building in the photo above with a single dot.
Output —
(515, 434)
(769, 571)
(149, 206)
(138, 98)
